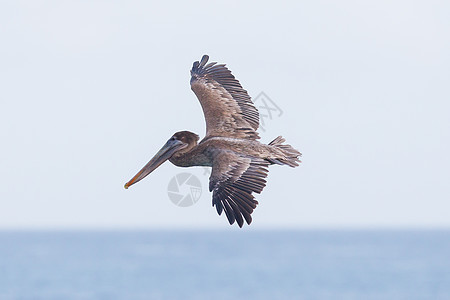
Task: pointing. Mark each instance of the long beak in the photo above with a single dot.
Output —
(164, 154)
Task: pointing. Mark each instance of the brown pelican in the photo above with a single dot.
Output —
(239, 161)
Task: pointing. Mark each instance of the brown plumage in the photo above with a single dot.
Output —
(239, 161)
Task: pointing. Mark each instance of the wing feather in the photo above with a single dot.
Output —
(233, 180)
(228, 109)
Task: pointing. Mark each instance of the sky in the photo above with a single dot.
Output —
(90, 91)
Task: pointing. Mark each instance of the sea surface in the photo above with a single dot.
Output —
(307, 264)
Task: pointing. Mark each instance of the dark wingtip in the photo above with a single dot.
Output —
(195, 66)
(219, 209)
(198, 65)
(204, 60)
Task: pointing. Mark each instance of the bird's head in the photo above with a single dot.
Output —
(180, 143)
(189, 139)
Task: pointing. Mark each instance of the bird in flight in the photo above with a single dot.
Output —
(239, 161)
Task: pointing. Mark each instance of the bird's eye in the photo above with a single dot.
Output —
(172, 138)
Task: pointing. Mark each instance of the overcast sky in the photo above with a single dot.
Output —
(90, 90)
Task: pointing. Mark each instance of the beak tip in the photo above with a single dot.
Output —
(126, 186)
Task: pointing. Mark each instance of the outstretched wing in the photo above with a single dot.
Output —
(228, 109)
(233, 180)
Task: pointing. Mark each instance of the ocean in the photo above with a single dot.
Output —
(304, 264)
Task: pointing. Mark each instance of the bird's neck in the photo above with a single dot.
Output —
(193, 157)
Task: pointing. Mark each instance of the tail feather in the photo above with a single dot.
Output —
(290, 155)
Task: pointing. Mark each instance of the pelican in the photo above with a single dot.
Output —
(239, 161)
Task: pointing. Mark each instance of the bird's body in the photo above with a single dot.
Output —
(239, 161)
(203, 153)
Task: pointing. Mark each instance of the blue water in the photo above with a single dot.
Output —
(225, 265)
